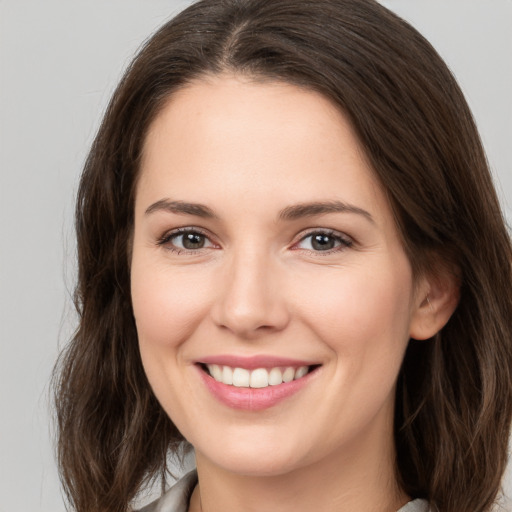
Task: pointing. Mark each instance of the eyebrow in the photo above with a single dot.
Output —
(181, 207)
(289, 213)
(301, 210)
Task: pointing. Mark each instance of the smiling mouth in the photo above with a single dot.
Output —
(257, 378)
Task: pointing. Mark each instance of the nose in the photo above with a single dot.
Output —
(251, 300)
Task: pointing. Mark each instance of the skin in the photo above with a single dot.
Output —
(247, 150)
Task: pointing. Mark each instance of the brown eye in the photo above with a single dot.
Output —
(185, 240)
(192, 240)
(324, 241)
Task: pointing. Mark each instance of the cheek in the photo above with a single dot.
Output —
(166, 305)
(168, 309)
(363, 318)
(361, 309)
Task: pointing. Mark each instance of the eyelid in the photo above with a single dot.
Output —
(166, 238)
(346, 241)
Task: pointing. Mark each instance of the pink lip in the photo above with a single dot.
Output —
(253, 362)
(253, 399)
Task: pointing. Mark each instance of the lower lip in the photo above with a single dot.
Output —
(253, 399)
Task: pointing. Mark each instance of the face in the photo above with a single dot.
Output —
(273, 299)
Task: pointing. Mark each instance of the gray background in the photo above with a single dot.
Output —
(59, 63)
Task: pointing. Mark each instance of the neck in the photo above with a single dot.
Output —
(358, 479)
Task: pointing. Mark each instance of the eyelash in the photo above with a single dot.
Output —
(166, 240)
(343, 241)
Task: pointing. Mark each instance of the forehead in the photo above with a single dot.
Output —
(239, 106)
(231, 135)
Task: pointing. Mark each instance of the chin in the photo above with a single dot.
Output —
(257, 458)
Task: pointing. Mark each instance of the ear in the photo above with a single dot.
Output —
(435, 301)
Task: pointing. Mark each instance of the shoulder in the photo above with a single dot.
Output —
(416, 506)
(176, 498)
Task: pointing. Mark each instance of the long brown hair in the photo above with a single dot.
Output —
(454, 393)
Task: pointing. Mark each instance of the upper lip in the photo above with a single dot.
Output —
(253, 362)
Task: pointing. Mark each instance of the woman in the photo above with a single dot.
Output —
(291, 256)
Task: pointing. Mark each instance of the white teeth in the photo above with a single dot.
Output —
(300, 372)
(241, 377)
(215, 371)
(275, 377)
(259, 378)
(288, 375)
(227, 375)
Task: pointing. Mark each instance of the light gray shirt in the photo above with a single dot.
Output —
(176, 499)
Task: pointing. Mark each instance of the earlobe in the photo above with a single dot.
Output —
(436, 301)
